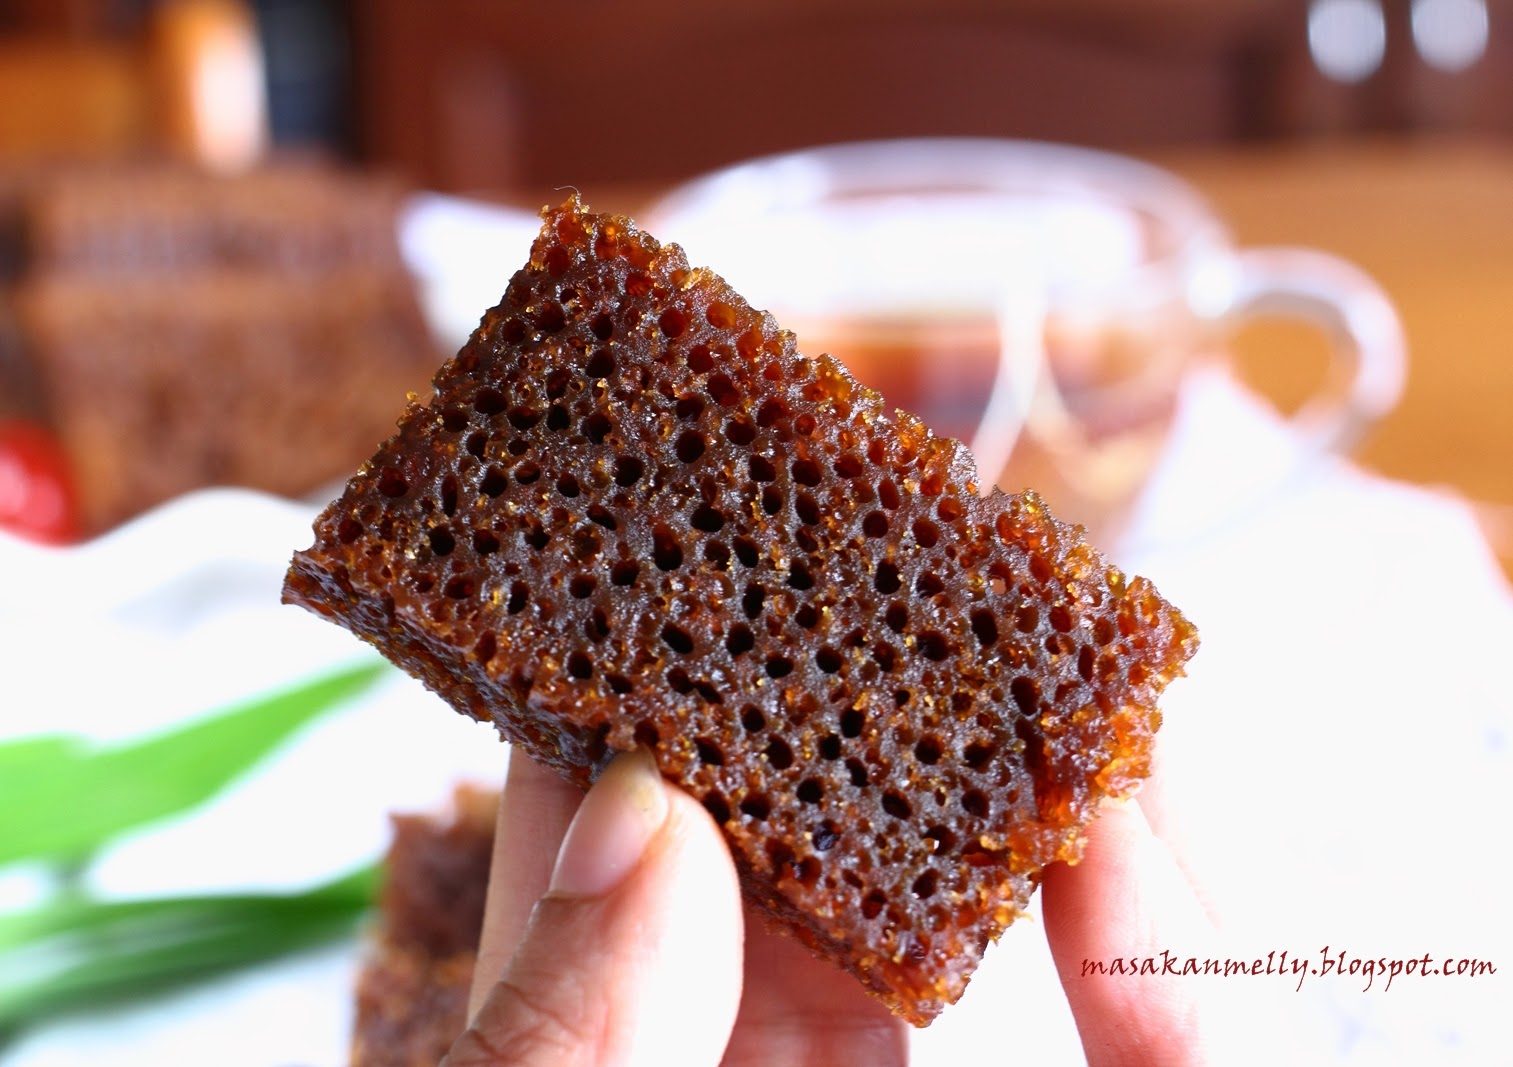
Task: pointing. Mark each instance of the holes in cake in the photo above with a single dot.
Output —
(807, 616)
(618, 684)
(513, 331)
(526, 473)
(699, 359)
(485, 647)
(928, 749)
(597, 427)
(1103, 630)
(799, 576)
(830, 747)
(476, 443)
(852, 721)
(637, 283)
(885, 656)
(707, 520)
(557, 417)
(752, 719)
(689, 407)
(950, 509)
(740, 639)
(1027, 618)
(680, 682)
(886, 580)
(602, 326)
(934, 646)
(519, 446)
(392, 484)
(849, 466)
(929, 584)
(557, 382)
(677, 639)
(778, 667)
(753, 600)
(896, 617)
(568, 486)
(824, 837)
(454, 420)
(666, 551)
(720, 315)
(772, 500)
(628, 471)
(810, 791)
(537, 537)
(442, 540)
(807, 509)
(1040, 570)
(875, 524)
(902, 697)
(925, 885)
(778, 754)
(718, 555)
(975, 803)
(673, 322)
(1085, 663)
(723, 391)
(1061, 618)
(979, 754)
(740, 431)
(1026, 695)
(488, 401)
(601, 364)
(828, 660)
(718, 807)
(582, 586)
(857, 770)
(761, 469)
(985, 627)
(596, 626)
(460, 587)
(804, 424)
(932, 484)
(624, 572)
(689, 446)
(709, 752)
(895, 805)
(926, 533)
(520, 596)
(888, 495)
(348, 530)
(873, 904)
(746, 551)
(771, 411)
(756, 806)
(806, 472)
(942, 839)
(580, 666)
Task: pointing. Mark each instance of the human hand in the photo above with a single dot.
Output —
(622, 940)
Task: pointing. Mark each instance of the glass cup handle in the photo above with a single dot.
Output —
(1369, 350)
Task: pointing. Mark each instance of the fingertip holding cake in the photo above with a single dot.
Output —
(634, 514)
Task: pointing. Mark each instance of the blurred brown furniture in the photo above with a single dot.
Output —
(185, 83)
(1432, 220)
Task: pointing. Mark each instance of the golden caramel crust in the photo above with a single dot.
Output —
(634, 514)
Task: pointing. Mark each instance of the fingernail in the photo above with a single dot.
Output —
(615, 823)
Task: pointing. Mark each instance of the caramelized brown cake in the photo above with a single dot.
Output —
(634, 514)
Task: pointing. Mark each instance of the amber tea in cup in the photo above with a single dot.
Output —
(1042, 303)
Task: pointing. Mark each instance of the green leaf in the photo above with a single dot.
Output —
(61, 800)
(73, 953)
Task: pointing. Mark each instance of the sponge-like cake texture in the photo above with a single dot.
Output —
(633, 514)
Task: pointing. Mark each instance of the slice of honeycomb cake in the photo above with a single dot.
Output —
(633, 514)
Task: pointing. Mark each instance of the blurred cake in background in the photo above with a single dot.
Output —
(176, 330)
(412, 992)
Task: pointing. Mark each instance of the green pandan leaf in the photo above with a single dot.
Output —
(61, 799)
(74, 953)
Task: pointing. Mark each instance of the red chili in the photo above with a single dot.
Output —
(37, 498)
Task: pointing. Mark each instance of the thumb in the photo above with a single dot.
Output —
(634, 954)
